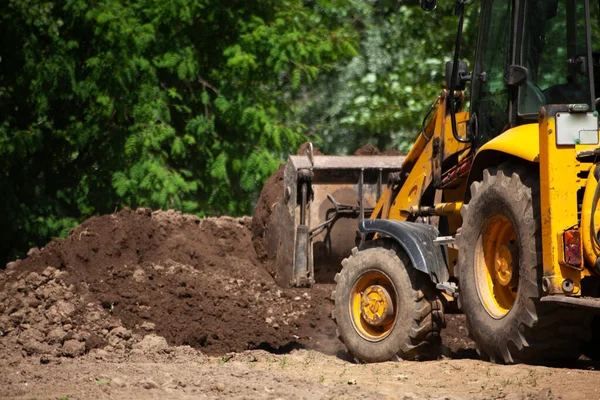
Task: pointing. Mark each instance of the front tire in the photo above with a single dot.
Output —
(384, 308)
(500, 273)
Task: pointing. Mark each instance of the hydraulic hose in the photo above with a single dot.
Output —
(431, 109)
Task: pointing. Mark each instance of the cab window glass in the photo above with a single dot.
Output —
(554, 53)
(490, 95)
(595, 22)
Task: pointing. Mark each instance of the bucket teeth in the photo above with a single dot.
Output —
(336, 278)
(355, 251)
(333, 315)
(333, 295)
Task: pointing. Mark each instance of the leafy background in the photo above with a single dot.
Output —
(192, 104)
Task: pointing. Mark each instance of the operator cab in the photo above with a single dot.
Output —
(548, 61)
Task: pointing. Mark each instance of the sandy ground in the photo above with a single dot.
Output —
(301, 374)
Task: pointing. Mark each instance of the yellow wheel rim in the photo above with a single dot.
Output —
(497, 266)
(373, 305)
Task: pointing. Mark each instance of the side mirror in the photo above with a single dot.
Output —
(428, 5)
(463, 75)
(515, 75)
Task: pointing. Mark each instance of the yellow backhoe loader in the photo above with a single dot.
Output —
(495, 206)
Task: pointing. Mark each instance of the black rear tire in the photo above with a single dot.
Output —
(591, 349)
(530, 331)
(419, 317)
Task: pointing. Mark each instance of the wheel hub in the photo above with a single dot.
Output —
(497, 266)
(504, 265)
(376, 305)
(373, 305)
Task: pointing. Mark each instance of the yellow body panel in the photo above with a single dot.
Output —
(559, 182)
(522, 142)
(430, 130)
(562, 177)
(424, 158)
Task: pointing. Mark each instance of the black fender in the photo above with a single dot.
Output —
(417, 241)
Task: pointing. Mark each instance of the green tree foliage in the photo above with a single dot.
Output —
(192, 104)
(186, 104)
(381, 95)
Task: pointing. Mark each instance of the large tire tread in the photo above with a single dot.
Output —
(421, 332)
(539, 333)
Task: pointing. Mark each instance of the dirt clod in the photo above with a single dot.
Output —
(72, 348)
(149, 384)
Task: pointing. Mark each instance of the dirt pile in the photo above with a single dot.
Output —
(370, 150)
(119, 277)
(269, 196)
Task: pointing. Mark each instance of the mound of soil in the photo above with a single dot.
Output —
(118, 277)
(370, 150)
(119, 283)
(269, 196)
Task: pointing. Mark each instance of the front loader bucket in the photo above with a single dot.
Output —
(314, 225)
